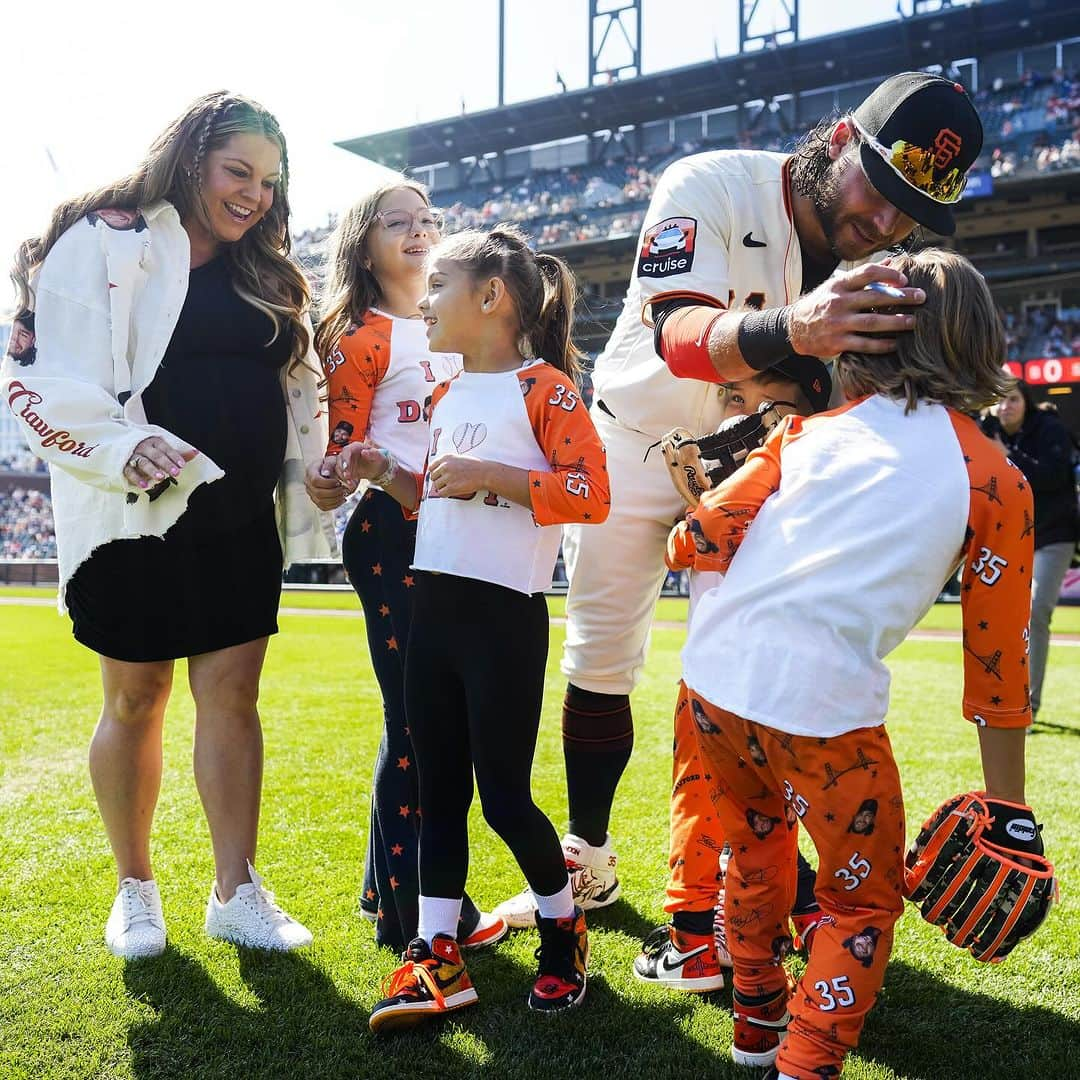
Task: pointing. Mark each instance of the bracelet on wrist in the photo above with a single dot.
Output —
(384, 478)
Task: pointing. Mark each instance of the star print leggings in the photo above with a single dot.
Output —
(474, 684)
(845, 791)
(378, 537)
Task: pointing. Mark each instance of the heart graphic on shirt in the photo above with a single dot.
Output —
(469, 436)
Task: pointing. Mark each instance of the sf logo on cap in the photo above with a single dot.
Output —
(946, 146)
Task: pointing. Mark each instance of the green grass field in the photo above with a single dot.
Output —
(206, 1010)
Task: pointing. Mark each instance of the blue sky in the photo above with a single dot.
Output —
(86, 87)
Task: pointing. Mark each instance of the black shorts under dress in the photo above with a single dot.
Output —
(214, 579)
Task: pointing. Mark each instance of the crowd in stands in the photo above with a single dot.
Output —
(22, 462)
(1042, 332)
(26, 525)
(1032, 125)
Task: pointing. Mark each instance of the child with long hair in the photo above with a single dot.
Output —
(834, 538)
(512, 455)
(173, 391)
(380, 375)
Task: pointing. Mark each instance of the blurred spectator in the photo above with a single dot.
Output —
(26, 525)
(22, 462)
(1039, 444)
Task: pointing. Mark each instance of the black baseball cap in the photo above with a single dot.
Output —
(928, 135)
(811, 376)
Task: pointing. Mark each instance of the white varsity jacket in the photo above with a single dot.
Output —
(106, 303)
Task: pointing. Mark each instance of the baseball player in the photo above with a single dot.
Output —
(770, 240)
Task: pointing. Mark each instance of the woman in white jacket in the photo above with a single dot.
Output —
(174, 395)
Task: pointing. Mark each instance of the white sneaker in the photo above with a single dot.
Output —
(136, 925)
(253, 919)
(592, 877)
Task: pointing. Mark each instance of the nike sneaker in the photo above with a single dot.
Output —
(432, 980)
(760, 1026)
(563, 959)
(679, 960)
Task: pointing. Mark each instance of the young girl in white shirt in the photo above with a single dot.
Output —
(380, 374)
(512, 455)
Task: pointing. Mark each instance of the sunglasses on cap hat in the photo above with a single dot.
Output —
(915, 166)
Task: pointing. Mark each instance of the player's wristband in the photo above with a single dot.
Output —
(764, 337)
(384, 478)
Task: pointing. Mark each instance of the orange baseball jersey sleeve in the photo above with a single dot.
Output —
(995, 591)
(577, 489)
(712, 533)
(354, 368)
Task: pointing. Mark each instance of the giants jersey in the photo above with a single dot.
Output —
(380, 376)
(719, 223)
(858, 518)
(531, 418)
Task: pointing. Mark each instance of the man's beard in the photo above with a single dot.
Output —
(825, 199)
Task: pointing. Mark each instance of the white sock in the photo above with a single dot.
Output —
(438, 915)
(559, 905)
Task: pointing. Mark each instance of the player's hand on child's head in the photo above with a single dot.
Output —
(323, 487)
(843, 315)
(453, 476)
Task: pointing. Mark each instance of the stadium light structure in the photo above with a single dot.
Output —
(610, 15)
(778, 35)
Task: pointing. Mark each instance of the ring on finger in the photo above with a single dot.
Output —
(134, 462)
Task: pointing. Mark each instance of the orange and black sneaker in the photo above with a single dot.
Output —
(680, 960)
(760, 1026)
(431, 981)
(563, 960)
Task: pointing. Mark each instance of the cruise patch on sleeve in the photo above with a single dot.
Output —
(667, 248)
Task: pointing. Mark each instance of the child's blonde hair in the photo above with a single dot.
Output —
(542, 287)
(351, 288)
(955, 352)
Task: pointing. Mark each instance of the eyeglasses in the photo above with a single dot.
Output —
(915, 166)
(427, 218)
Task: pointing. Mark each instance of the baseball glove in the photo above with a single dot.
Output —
(699, 463)
(976, 870)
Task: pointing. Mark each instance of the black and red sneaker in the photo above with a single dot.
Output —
(563, 959)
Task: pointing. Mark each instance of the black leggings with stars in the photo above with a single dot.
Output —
(474, 684)
(377, 550)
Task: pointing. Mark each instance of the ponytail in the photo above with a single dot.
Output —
(550, 336)
(542, 287)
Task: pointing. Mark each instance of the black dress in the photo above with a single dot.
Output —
(214, 579)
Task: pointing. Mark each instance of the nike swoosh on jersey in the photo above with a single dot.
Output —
(683, 958)
(749, 241)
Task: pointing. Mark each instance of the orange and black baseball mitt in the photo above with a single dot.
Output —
(977, 870)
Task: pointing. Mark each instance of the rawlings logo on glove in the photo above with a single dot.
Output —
(977, 870)
(700, 463)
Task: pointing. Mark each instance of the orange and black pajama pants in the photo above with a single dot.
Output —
(845, 791)
(696, 835)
